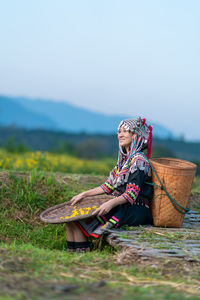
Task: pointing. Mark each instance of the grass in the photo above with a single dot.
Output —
(49, 269)
(196, 185)
(34, 263)
(24, 197)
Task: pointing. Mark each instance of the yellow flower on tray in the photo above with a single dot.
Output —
(82, 211)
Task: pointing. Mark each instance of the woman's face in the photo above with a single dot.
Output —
(124, 136)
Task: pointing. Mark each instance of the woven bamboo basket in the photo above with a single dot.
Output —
(177, 176)
(65, 212)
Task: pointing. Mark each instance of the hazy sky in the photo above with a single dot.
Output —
(117, 57)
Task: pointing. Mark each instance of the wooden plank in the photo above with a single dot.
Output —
(187, 247)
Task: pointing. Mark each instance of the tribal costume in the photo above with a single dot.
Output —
(129, 178)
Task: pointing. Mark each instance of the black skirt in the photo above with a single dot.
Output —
(123, 214)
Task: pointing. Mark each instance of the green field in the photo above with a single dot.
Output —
(34, 263)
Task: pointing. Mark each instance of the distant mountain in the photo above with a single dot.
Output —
(37, 113)
(14, 113)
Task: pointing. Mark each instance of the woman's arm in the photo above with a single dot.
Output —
(117, 201)
(107, 206)
(93, 192)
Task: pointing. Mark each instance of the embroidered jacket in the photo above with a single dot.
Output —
(134, 184)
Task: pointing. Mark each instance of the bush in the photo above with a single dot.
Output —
(12, 147)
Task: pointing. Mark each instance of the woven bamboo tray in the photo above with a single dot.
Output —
(64, 212)
(177, 176)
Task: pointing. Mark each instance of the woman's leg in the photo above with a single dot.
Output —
(76, 238)
(81, 241)
(69, 231)
(79, 235)
(70, 237)
(74, 233)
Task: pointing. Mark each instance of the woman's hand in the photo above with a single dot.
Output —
(103, 209)
(77, 198)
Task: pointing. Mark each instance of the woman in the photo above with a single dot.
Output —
(127, 182)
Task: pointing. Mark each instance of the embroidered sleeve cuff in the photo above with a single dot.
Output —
(107, 187)
(127, 197)
(131, 193)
